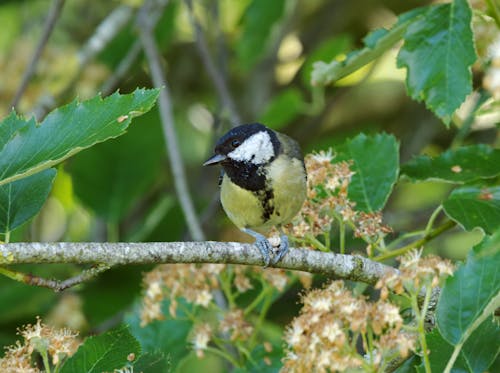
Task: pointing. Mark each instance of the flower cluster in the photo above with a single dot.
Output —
(57, 343)
(415, 273)
(193, 282)
(327, 194)
(323, 337)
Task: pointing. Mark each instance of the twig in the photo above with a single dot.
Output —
(214, 73)
(127, 62)
(122, 69)
(105, 32)
(56, 285)
(355, 268)
(146, 36)
(50, 22)
(418, 243)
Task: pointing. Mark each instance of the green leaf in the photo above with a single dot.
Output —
(10, 126)
(157, 362)
(460, 165)
(438, 53)
(104, 353)
(258, 21)
(20, 200)
(122, 176)
(377, 43)
(376, 166)
(409, 365)
(440, 352)
(283, 108)
(169, 336)
(482, 346)
(473, 207)
(67, 130)
(472, 293)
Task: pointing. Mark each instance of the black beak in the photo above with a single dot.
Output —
(217, 158)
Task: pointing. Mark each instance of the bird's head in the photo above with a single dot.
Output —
(249, 143)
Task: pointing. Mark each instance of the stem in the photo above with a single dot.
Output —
(317, 243)
(421, 324)
(342, 236)
(224, 355)
(257, 300)
(226, 289)
(260, 320)
(404, 237)
(432, 218)
(428, 237)
(45, 359)
(7, 237)
(13, 275)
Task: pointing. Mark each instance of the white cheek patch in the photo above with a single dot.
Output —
(257, 149)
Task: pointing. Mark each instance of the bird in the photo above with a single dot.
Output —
(262, 183)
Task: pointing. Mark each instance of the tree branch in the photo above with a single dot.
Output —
(56, 285)
(214, 73)
(349, 267)
(145, 28)
(50, 22)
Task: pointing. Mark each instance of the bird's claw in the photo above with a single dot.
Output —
(266, 248)
(283, 249)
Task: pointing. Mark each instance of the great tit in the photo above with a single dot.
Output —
(263, 182)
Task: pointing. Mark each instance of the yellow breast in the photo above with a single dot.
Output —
(244, 208)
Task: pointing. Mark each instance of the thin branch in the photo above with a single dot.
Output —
(103, 35)
(145, 29)
(56, 285)
(121, 70)
(214, 73)
(418, 243)
(48, 27)
(350, 267)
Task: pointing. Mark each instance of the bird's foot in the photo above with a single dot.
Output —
(263, 244)
(283, 249)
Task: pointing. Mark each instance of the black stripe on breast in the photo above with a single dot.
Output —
(266, 198)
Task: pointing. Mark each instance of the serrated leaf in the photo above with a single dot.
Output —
(10, 126)
(258, 21)
(103, 353)
(471, 294)
(122, 177)
(376, 166)
(283, 108)
(473, 207)
(376, 42)
(68, 130)
(438, 53)
(169, 336)
(460, 165)
(20, 200)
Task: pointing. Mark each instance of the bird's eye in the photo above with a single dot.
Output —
(235, 143)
